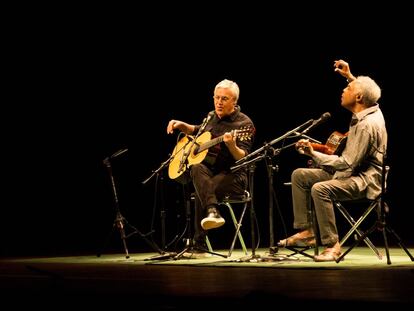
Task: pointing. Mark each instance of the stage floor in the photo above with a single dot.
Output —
(169, 284)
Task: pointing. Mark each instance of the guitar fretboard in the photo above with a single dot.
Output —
(210, 143)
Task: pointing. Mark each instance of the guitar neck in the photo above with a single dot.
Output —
(210, 143)
(243, 133)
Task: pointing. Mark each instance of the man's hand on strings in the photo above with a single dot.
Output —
(229, 138)
(303, 146)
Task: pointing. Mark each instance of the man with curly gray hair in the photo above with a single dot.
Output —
(354, 174)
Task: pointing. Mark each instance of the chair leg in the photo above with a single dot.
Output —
(237, 225)
(379, 225)
(361, 238)
(355, 225)
(208, 244)
(314, 225)
(399, 242)
(302, 250)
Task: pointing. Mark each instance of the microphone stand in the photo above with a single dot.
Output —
(183, 163)
(120, 221)
(271, 195)
(262, 153)
(163, 254)
(251, 168)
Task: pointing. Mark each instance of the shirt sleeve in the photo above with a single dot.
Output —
(356, 149)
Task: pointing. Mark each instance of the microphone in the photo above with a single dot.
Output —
(118, 153)
(186, 153)
(322, 119)
(183, 159)
(206, 120)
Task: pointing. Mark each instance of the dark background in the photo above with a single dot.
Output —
(86, 86)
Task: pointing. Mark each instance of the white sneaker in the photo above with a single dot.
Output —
(213, 220)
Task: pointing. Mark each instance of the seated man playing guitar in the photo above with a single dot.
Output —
(354, 174)
(209, 161)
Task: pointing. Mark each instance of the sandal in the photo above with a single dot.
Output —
(298, 241)
(329, 254)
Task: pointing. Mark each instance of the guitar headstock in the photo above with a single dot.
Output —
(244, 133)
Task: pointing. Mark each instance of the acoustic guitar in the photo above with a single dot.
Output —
(189, 151)
(335, 144)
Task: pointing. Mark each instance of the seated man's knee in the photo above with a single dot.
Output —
(196, 169)
(319, 189)
(298, 174)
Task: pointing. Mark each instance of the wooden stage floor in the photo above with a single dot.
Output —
(209, 283)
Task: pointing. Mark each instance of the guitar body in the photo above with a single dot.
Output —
(188, 152)
(198, 157)
(335, 144)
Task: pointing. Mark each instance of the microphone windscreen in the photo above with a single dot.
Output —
(325, 116)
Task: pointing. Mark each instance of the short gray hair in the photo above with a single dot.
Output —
(370, 90)
(228, 84)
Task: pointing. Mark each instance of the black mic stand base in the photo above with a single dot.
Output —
(267, 258)
(162, 256)
(249, 258)
(121, 223)
(278, 258)
(270, 257)
(274, 256)
(122, 233)
(193, 250)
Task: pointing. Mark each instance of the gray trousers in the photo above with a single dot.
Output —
(316, 186)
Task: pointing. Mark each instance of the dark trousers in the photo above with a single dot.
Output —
(210, 189)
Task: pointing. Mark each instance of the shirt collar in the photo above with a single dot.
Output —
(356, 117)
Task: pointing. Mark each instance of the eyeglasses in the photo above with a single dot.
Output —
(223, 98)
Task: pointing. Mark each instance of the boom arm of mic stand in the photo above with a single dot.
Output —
(307, 137)
(275, 152)
(245, 163)
(163, 164)
(274, 141)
